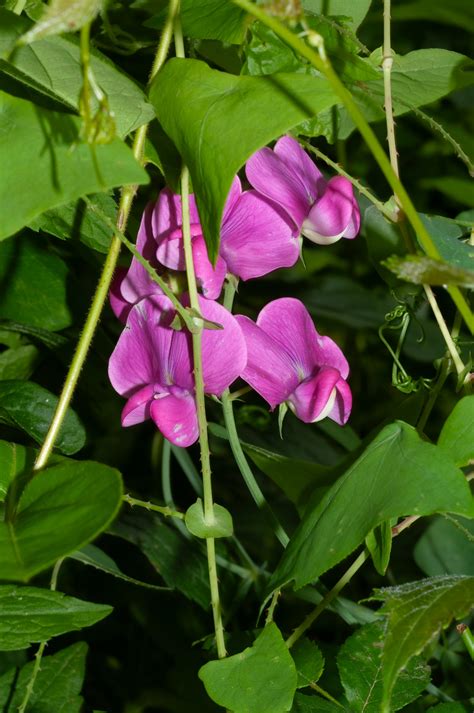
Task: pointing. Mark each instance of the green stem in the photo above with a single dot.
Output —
(164, 510)
(320, 61)
(39, 654)
(467, 638)
(202, 419)
(100, 296)
(19, 7)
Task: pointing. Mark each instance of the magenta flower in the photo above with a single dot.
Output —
(323, 211)
(289, 362)
(152, 366)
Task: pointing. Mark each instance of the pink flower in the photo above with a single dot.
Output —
(323, 211)
(289, 362)
(152, 366)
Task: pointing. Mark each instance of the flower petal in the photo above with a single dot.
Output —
(137, 408)
(180, 361)
(120, 306)
(334, 216)
(137, 283)
(292, 153)
(224, 351)
(343, 403)
(141, 355)
(167, 216)
(269, 370)
(170, 253)
(210, 278)
(233, 196)
(176, 417)
(314, 398)
(257, 237)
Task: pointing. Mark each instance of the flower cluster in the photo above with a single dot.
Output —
(281, 355)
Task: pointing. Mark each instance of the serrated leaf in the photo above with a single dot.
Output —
(53, 67)
(446, 547)
(30, 407)
(309, 662)
(68, 169)
(29, 615)
(57, 685)
(416, 613)
(95, 557)
(398, 474)
(457, 434)
(193, 104)
(360, 667)
(76, 499)
(219, 526)
(420, 269)
(62, 16)
(261, 679)
(35, 284)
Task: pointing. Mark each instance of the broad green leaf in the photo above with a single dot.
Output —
(57, 686)
(53, 67)
(360, 667)
(416, 613)
(446, 547)
(296, 477)
(95, 557)
(30, 407)
(14, 460)
(445, 235)
(180, 561)
(421, 269)
(78, 500)
(14, 329)
(220, 526)
(194, 105)
(456, 12)
(460, 190)
(18, 363)
(457, 434)
(29, 615)
(75, 221)
(34, 283)
(309, 662)
(208, 20)
(42, 148)
(63, 16)
(448, 708)
(261, 679)
(398, 474)
(354, 9)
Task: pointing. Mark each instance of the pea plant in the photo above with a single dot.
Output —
(236, 409)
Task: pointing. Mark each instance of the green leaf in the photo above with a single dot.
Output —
(74, 221)
(457, 434)
(446, 547)
(379, 544)
(53, 67)
(416, 613)
(355, 9)
(195, 104)
(18, 363)
(30, 407)
(208, 20)
(179, 560)
(457, 13)
(220, 526)
(457, 189)
(67, 170)
(14, 460)
(448, 708)
(445, 235)
(34, 285)
(309, 662)
(57, 685)
(314, 704)
(360, 667)
(398, 474)
(76, 499)
(261, 679)
(420, 269)
(95, 557)
(62, 16)
(29, 615)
